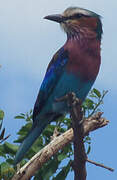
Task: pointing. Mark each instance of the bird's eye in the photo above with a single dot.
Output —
(75, 16)
(78, 15)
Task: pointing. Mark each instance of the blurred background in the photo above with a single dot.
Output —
(27, 44)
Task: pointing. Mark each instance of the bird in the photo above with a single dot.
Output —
(73, 68)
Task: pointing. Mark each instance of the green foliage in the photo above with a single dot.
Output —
(2, 133)
(6, 171)
(53, 169)
(93, 102)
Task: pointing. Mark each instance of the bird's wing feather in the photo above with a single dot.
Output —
(53, 73)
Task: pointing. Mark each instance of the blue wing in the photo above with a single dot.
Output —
(52, 76)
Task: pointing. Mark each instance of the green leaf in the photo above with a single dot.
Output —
(20, 139)
(19, 117)
(87, 138)
(10, 148)
(10, 161)
(1, 121)
(25, 129)
(47, 170)
(88, 104)
(50, 128)
(2, 134)
(2, 151)
(62, 156)
(6, 171)
(1, 115)
(89, 149)
(31, 111)
(97, 92)
(22, 114)
(23, 132)
(63, 173)
(47, 173)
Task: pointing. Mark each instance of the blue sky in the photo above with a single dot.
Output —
(27, 44)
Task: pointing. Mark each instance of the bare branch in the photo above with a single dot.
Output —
(100, 165)
(79, 149)
(37, 161)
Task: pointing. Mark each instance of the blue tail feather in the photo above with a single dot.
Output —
(28, 141)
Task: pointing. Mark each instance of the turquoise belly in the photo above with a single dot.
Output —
(67, 83)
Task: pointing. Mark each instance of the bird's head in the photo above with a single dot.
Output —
(76, 20)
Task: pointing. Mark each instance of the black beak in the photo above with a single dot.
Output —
(56, 17)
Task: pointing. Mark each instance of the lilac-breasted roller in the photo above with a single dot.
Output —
(73, 68)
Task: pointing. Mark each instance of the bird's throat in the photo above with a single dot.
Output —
(84, 56)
